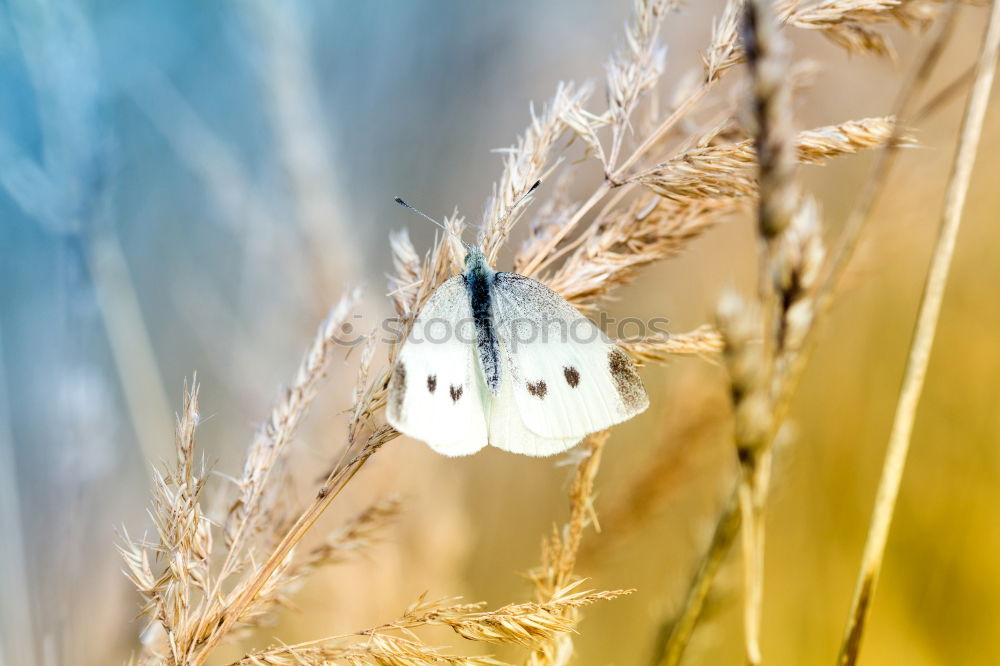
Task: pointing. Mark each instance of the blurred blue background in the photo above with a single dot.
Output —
(188, 186)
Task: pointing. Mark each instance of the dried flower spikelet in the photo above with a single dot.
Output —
(455, 226)
(174, 594)
(723, 170)
(364, 367)
(405, 280)
(851, 24)
(201, 542)
(525, 629)
(584, 126)
(820, 144)
(647, 230)
(712, 172)
(138, 569)
(270, 596)
(557, 652)
(703, 341)
(785, 8)
(774, 138)
(742, 330)
(552, 215)
(636, 68)
(271, 442)
(799, 262)
(377, 649)
(724, 52)
(525, 163)
(528, 624)
(354, 536)
(424, 610)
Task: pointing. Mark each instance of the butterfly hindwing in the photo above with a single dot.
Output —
(506, 426)
(435, 389)
(568, 380)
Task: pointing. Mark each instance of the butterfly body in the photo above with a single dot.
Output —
(498, 358)
(479, 285)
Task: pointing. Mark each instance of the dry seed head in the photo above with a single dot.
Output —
(703, 341)
(773, 134)
(741, 327)
(273, 438)
(726, 170)
(455, 225)
(636, 68)
(752, 423)
(354, 536)
(525, 163)
(724, 52)
(801, 252)
(798, 263)
(854, 24)
(375, 650)
(138, 569)
(648, 230)
(552, 214)
(529, 624)
(584, 126)
(405, 280)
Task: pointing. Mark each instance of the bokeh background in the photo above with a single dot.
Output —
(187, 186)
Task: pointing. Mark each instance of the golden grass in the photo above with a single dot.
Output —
(923, 339)
(206, 580)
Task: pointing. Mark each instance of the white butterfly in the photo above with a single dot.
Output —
(501, 359)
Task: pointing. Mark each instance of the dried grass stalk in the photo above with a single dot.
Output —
(174, 592)
(526, 161)
(555, 577)
(854, 25)
(923, 339)
(728, 170)
(752, 368)
(802, 318)
(702, 341)
(525, 624)
(611, 254)
(201, 584)
(270, 445)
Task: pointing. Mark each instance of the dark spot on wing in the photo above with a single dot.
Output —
(432, 383)
(456, 392)
(399, 385)
(538, 389)
(572, 376)
(627, 381)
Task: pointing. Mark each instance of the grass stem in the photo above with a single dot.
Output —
(923, 341)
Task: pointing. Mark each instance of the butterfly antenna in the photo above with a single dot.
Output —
(514, 206)
(428, 217)
(419, 212)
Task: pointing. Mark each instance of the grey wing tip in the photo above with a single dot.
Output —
(627, 381)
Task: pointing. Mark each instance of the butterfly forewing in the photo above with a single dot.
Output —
(436, 389)
(568, 380)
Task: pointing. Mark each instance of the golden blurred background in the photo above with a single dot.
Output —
(189, 186)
